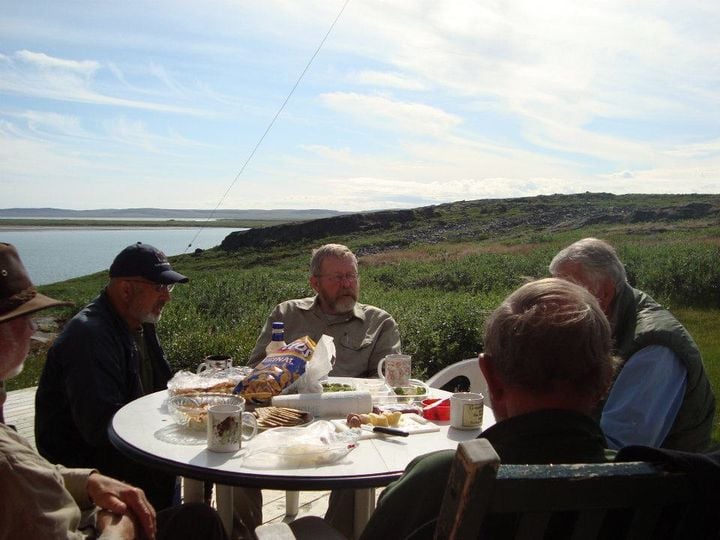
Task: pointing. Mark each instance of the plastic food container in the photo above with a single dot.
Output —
(439, 411)
(190, 410)
(415, 391)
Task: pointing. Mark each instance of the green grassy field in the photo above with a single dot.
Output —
(440, 293)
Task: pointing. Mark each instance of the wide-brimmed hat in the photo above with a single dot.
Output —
(17, 293)
(146, 261)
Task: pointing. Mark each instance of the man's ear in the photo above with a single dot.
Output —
(315, 283)
(495, 387)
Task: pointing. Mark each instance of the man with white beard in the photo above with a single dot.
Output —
(105, 357)
(363, 334)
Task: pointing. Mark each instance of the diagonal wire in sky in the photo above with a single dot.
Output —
(270, 125)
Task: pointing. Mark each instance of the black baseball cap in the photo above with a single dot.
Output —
(145, 261)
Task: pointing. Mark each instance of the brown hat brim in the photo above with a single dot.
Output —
(37, 303)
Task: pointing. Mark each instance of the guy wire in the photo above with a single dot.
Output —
(269, 127)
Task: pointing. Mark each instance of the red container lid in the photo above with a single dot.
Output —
(434, 411)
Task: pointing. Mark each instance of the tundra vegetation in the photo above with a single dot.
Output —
(438, 270)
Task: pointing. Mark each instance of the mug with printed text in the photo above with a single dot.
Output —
(466, 410)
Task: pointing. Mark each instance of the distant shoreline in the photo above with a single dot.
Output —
(51, 223)
(105, 227)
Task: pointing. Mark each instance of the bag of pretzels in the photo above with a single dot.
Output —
(277, 371)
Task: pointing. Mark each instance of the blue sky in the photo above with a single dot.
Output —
(408, 103)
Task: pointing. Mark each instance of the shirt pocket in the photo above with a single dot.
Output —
(355, 343)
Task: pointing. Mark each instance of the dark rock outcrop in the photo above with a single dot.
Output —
(317, 229)
(473, 220)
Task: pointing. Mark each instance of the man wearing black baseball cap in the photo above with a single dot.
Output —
(45, 500)
(143, 260)
(105, 357)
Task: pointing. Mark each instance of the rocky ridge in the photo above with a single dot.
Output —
(468, 220)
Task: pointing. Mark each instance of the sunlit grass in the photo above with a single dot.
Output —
(440, 294)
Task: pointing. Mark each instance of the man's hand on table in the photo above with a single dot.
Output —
(123, 500)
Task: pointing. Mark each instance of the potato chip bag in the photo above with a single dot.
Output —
(276, 371)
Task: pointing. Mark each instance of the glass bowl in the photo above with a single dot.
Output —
(414, 391)
(190, 410)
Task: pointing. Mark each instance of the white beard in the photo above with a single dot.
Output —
(151, 318)
(15, 371)
(344, 305)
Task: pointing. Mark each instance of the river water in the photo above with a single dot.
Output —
(57, 254)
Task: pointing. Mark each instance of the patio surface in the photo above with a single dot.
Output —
(20, 411)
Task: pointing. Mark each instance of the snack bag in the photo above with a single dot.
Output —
(317, 370)
(276, 371)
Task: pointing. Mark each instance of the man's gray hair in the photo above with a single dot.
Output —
(597, 258)
(329, 250)
(550, 333)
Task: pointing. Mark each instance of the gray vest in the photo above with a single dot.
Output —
(639, 322)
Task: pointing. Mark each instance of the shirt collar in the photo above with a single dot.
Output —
(313, 304)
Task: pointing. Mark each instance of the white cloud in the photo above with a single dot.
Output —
(53, 123)
(135, 133)
(406, 101)
(706, 149)
(386, 79)
(43, 61)
(682, 179)
(66, 80)
(390, 114)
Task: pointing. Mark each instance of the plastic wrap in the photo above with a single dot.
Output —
(300, 447)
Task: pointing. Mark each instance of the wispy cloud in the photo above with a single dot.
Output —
(135, 133)
(406, 101)
(43, 61)
(392, 114)
(386, 79)
(38, 75)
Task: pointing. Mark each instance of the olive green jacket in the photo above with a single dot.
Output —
(638, 322)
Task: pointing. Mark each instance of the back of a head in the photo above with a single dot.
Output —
(338, 251)
(550, 335)
(598, 259)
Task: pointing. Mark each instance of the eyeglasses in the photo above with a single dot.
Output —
(157, 287)
(339, 278)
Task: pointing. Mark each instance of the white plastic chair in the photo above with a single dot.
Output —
(468, 369)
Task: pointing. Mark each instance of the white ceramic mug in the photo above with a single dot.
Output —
(225, 424)
(215, 361)
(466, 410)
(397, 369)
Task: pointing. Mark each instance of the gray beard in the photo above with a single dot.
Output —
(344, 305)
(151, 318)
(15, 371)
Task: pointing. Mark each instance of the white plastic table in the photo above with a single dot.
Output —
(145, 431)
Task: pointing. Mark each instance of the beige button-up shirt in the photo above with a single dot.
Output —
(38, 499)
(362, 337)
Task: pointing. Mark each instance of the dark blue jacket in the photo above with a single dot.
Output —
(92, 370)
